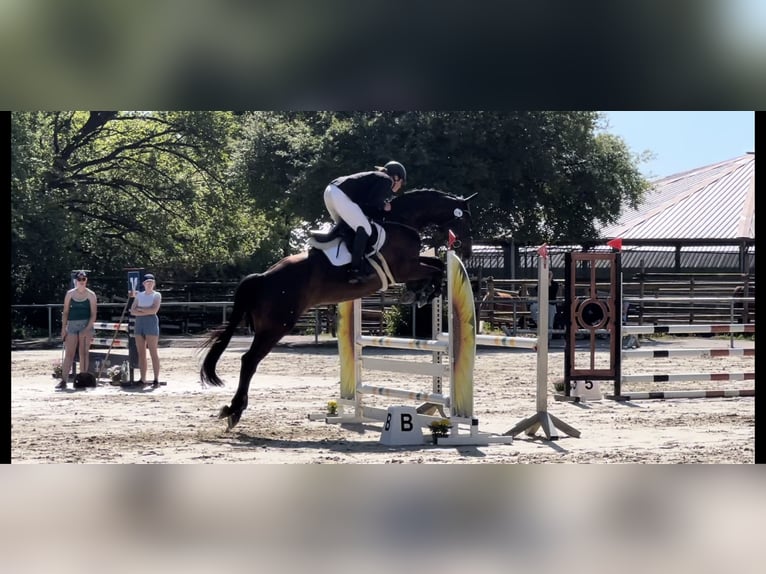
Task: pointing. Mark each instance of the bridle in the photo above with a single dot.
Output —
(459, 215)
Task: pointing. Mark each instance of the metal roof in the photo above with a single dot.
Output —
(710, 202)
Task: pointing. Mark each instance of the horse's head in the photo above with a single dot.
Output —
(462, 226)
(426, 209)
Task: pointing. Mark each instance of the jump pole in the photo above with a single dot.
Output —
(718, 329)
(542, 418)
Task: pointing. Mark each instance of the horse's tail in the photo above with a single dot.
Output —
(220, 337)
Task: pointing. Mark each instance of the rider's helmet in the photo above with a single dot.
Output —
(393, 168)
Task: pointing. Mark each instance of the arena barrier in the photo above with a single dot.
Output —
(457, 346)
(106, 356)
(113, 342)
(671, 353)
(126, 326)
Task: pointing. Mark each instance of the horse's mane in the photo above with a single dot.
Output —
(428, 190)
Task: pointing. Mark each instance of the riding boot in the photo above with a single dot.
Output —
(357, 256)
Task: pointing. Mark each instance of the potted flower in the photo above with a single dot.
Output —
(440, 428)
(332, 408)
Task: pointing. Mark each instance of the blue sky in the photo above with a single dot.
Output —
(682, 141)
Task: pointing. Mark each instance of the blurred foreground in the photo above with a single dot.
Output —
(379, 518)
(278, 55)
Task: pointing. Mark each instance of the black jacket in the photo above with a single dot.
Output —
(368, 189)
(553, 291)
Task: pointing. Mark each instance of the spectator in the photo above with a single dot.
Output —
(77, 320)
(147, 330)
(628, 341)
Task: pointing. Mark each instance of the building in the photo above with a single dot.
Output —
(698, 221)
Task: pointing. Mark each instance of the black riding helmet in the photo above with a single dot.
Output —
(393, 168)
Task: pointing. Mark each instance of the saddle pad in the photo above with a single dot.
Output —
(338, 253)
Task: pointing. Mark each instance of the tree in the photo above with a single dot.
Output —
(108, 190)
(539, 176)
(219, 194)
(37, 227)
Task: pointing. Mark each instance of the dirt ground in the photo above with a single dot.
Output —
(178, 422)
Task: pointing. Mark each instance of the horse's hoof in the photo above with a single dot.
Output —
(232, 420)
(231, 417)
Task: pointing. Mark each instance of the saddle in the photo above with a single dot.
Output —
(341, 230)
(342, 233)
(337, 244)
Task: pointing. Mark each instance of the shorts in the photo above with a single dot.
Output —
(147, 325)
(77, 327)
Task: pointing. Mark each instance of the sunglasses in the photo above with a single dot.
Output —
(82, 279)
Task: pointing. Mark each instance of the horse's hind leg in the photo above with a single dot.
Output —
(262, 344)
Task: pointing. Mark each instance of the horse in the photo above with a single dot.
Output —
(499, 308)
(273, 301)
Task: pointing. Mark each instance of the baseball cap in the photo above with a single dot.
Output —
(149, 277)
(81, 275)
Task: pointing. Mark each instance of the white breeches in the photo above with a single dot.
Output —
(341, 207)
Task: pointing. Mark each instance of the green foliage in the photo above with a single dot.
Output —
(109, 190)
(540, 176)
(216, 195)
(396, 321)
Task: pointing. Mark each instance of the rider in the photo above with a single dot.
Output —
(351, 198)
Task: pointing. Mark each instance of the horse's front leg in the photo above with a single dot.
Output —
(426, 282)
(433, 288)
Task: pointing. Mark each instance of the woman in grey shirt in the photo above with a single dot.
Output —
(147, 331)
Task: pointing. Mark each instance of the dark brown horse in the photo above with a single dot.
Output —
(273, 301)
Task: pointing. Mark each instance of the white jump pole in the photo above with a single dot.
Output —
(542, 418)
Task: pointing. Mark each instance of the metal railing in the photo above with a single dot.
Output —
(489, 311)
(314, 317)
(51, 307)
